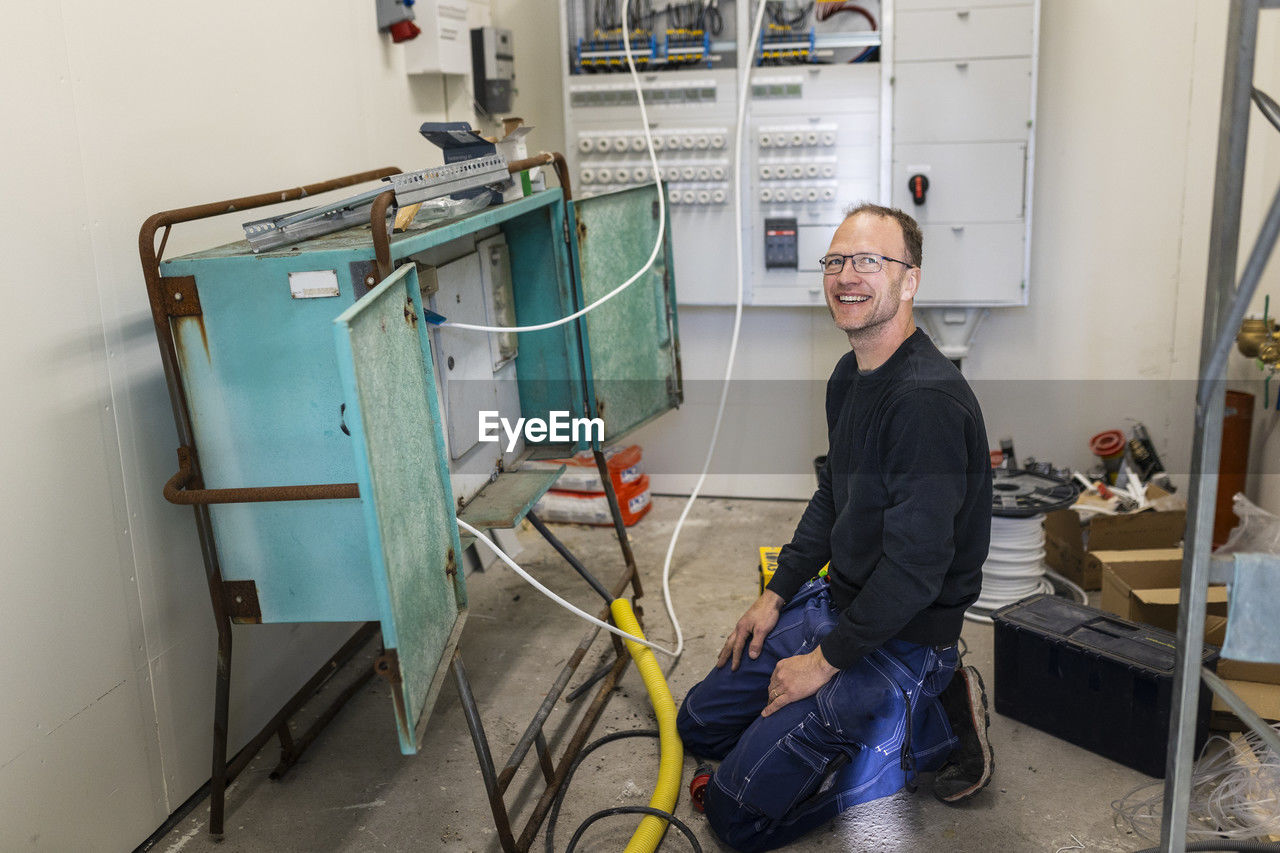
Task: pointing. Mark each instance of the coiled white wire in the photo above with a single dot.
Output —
(1014, 567)
(1235, 794)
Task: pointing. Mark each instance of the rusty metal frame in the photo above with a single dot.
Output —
(177, 296)
(170, 298)
(497, 783)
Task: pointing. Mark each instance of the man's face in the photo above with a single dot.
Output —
(863, 301)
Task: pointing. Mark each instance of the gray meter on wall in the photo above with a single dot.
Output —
(493, 68)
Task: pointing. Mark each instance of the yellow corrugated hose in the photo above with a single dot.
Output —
(649, 833)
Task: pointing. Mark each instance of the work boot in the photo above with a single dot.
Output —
(968, 768)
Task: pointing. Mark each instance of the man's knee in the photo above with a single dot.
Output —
(699, 738)
(738, 826)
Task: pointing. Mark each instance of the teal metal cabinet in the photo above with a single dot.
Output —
(298, 368)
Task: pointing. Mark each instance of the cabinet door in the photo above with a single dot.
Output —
(980, 100)
(900, 6)
(633, 348)
(393, 416)
(978, 264)
(968, 181)
(963, 33)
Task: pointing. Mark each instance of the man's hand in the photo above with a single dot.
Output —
(756, 623)
(795, 678)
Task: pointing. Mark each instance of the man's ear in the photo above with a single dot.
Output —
(910, 284)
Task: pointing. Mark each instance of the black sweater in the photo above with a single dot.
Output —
(903, 506)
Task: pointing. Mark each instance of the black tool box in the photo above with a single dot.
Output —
(1091, 678)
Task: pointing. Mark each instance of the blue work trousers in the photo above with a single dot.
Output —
(863, 735)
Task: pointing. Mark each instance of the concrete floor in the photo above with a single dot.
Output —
(353, 791)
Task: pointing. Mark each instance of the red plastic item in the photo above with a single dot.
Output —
(1107, 444)
(582, 475)
(634, 500)
(698, 788)
(403, 31)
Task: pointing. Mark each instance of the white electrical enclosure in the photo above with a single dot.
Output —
(964, 118)
(847, 103)
(444, 45)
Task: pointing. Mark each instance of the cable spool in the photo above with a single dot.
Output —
(1014, 567)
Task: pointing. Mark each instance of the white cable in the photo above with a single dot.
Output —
(733, 344)
(502, 555)
(662, 213)
(743, 88)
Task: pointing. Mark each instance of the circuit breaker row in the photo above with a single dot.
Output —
(678, 195)
(808, 193)
(622, 142)
(642, 173)
(781, 170)
(797, 136)
(785, 180)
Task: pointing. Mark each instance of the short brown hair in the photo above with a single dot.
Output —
(910, 228)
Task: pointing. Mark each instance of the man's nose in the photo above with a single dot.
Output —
(848, 273)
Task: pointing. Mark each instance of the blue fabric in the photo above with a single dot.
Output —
(1253, 634)
(783, 775)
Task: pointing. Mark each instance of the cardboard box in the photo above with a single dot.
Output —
(1215, 632)
(1068, 542)
(1264, 699)
(1144, 586)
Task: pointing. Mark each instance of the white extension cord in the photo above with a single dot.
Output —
(502, 555)
(743, 88)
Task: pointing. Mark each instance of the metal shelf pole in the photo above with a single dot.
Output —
(1220, 291)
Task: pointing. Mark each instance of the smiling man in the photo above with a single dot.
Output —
(846, 689)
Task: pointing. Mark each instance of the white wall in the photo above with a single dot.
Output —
(113, 112)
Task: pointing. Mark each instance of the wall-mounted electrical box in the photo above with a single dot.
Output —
(442, 47)
(493, 68)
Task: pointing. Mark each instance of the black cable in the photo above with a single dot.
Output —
(715, 23)
(1225, 847)
(569, 557)
(591, 747)
(647, 810)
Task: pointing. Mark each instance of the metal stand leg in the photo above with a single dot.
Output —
(500, 818)
(221, 712)
(225, 771)
(496, 783)
(619, 526)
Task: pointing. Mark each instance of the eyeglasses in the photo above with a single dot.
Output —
(863, 263)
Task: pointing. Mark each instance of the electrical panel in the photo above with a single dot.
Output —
(884, 101)
(812, 149)
(493, 68)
